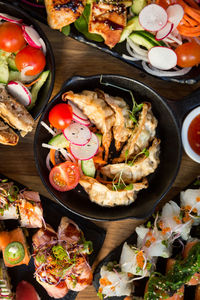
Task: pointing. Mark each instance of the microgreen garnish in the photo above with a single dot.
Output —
(197, 182)
(136, 107)
(100, 295)
(145, 151)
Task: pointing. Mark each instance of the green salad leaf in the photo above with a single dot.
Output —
(66, 30)
(81, 25)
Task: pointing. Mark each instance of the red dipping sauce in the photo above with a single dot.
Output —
(194, 134)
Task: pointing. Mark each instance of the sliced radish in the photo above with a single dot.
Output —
(77, 112)
(153, 17)
(86, 152)
(175, 14)
(31, 36)
(164, 32)
(78, 120)
(162, 58)
(10, 18)
(20, 92)
(77, 134)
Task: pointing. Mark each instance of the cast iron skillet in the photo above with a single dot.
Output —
(168, 131)
(46, 90)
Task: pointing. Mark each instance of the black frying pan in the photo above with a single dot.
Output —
(169, 115)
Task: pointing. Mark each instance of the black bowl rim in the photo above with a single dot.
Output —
(71, 79)
(49, 49)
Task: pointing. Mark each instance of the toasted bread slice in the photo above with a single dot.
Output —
(63, 12)
(14, 113)
(7, 135)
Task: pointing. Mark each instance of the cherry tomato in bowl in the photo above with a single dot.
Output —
(30, 56)
(188, 54)
(65, 176)
(60, 116)
(11, 37)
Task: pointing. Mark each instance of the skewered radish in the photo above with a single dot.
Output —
(77, 134)
(31, 36)
(164, 32)
(86, 152)
(153, 17)
(9, 18)
(162, 58)
(20, 92)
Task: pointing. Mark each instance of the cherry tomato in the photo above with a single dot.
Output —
(60, 115)
(11, 37)
(30, 56)
(188, 54)
(65, 176)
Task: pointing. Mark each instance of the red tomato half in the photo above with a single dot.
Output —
(11, 37)
(65, 176)
(30, 56)
(188, 54)
(60, 115)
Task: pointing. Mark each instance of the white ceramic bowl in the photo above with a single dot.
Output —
(184, 134)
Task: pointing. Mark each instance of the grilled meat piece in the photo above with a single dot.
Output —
(107, 20)
(63, 12)
(14, 113)
(7, 135)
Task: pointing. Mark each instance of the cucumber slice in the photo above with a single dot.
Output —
(4, 55)
(14, 76)
(141, 40)
(152, 38)
(132, 25)
(99, 136)
(11, 63)
(59, 141)
(4, 71)
(37, 86)
(88, 167)
(138, 5)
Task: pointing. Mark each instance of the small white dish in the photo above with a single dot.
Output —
(184, 134)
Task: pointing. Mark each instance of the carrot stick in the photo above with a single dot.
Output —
(191, 21)
(52, 156)
(192, 13)
(30, 84)
(192, 3)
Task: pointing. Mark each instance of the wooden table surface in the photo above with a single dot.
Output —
(74, 58)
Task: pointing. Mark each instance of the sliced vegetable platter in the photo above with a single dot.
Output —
(139, 285)
(52, 215)
(37, 10)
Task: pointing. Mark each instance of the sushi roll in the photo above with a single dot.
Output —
(190, 202)
(5, 287)
(153, 243)
(30, 209)
(133, 261)
(8, 208)
(172, 222)
(114, 283)
(14, 248)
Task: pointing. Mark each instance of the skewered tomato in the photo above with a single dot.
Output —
(30, 57)
(65, 176)
(60, 115)
(11, 37)
(188, 54)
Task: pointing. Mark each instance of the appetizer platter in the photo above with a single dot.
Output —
(109, 180)
(163, 252)
(45, 249)
(27, 73)
(162, 49)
